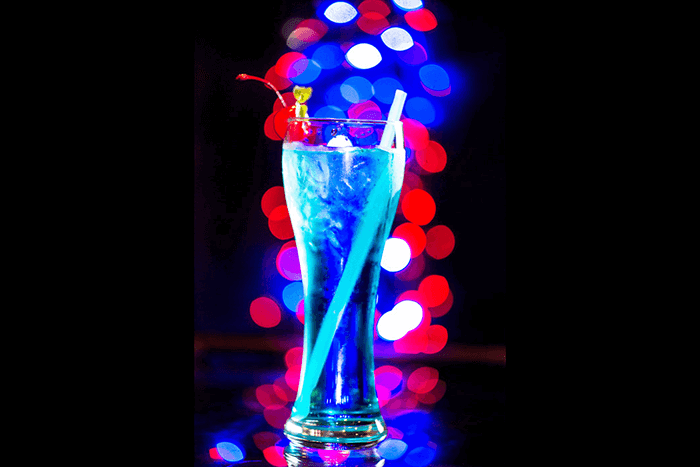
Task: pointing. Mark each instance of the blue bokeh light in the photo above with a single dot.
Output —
(392, 449)
(363, 56)
(434, 77)
(385, 89)
(421, 109)
(334, 97)
(340, 12)
(420, 456)
(328, 56)
(357, 89)
(292, 294)
(230, 452)
(330, 111)
(308, 71)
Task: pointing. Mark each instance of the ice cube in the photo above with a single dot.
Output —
(339, 141)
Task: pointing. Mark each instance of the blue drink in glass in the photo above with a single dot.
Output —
(342, 202)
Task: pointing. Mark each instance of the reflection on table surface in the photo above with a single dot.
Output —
(446, 411)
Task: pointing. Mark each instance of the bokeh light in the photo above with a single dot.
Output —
(435, 290)
(433, 158)
(356, 89)
(265, 312)
(415, 55)
(397, 39)
(276, 416)
(440, 241)
(415, 134)
(397, 254)
(385, 89)
(418, 207)
(275, 456)
(434, 77)
(413, 235)
(437, 339)
(304, 71)
(269, 396)
(328, 56)
(288, 262)
(421, 20)
(443, 308)
(432, 397)
(392, 449)
(272, 198)
(292, 294)
(279, 223)
(279, 82)
(230, 452)
(422, 380)
(420, 456)
(414, 270)
(368, 110)
(265, 439)
(363, 56)
(329, 111)
(372, 23)
(374, 6)
(421, 109)
(293, 357)
(300, 311)
(340, 12)
(388, 376)
(307, 32)
(408, 5)
(335, 98)
(284, 65)
(404, 317)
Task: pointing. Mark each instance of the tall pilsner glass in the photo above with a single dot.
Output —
(342, 180)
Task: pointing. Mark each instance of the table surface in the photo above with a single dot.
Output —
(458, 421)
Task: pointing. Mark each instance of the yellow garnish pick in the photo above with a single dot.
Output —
(301, 95)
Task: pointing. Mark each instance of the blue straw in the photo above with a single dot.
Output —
(356, 260)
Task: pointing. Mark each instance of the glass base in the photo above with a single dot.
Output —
(301, 456)
(336, 434)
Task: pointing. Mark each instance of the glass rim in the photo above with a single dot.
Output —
(341, 120)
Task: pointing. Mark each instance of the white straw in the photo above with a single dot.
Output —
(394, 116)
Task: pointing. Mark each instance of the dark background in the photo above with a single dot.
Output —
(235, 163)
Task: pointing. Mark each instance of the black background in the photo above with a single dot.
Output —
(235, 163)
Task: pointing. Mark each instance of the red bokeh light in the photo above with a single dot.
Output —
(440, 241)
(411, 181)
(433, 158)
(394, 433)
(372, 23)
(374, 6)
(388, 377)
(414, 269)
(293, 356)
(279, 82)
(279, 120)
(413, 342)
(276, 416)
(423, 380)
(269, 128)
(418, 207)
(415, 134)
(383, 395)
(283, 390)
(285, 65)
(272, 198)
(421, 20)
(444, 307)
(214, 454)
(275, 456)
(434, 395)
(413, 235)
(292, 376)
(265, 312)
(435, 290)
(307, 32)
(265, 439)
(279, 223)
(269, 396)
(300, 311)
(437, 339)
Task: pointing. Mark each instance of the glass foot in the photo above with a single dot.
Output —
(336, 434)
(301, 456)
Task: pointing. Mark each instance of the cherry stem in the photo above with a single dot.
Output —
(244, 77)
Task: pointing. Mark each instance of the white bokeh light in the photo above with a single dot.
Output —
(340, 12)
(404, 317)
(397, 39)
(363, 56)
(408, 5)
(397, 254)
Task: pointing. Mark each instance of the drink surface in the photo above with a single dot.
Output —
(328, 192)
